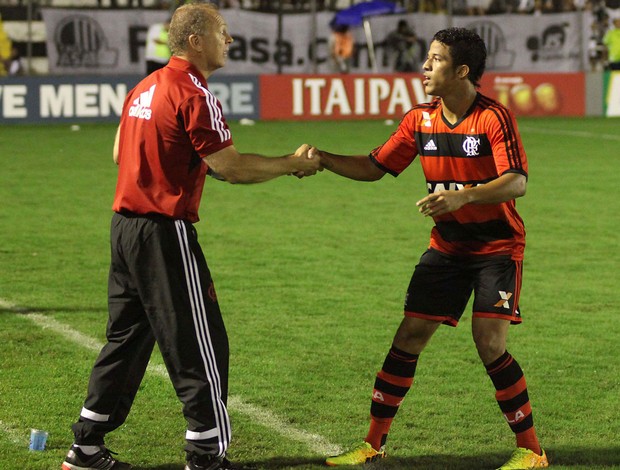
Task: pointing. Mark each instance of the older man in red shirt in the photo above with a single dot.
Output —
(172, 134)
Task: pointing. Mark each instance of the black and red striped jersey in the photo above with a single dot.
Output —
(170, 121)
(483, 145)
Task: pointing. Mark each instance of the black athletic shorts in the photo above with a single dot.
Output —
(441, 286)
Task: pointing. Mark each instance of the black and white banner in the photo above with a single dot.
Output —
(112, 42)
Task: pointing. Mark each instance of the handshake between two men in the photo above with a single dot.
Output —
(309, 161)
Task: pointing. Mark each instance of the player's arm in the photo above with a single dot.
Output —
(116, 141)
(244, 168)
(355, 167)
(505, 188)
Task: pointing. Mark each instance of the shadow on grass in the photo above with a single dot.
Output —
(558, 456)
(581, 456)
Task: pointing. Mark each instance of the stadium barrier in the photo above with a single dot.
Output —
(82, 99)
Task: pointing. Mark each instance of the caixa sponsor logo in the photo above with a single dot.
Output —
(81, 42)
(437, 186)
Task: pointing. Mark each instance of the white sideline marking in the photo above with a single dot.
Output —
(266, 418)
(587, 135)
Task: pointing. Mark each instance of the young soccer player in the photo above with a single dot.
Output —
(475, 167)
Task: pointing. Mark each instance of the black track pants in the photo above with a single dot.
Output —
(160, 289)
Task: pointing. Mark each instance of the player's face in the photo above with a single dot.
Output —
(217, 41)
(439, 73)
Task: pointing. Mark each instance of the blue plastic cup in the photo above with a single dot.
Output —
(38, 439)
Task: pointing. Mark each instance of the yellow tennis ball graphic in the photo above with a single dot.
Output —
(547, 97)
(522, 97)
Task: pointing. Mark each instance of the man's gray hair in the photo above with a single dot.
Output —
(192, 18)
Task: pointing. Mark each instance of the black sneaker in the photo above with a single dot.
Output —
(102, 460)
(213, 463)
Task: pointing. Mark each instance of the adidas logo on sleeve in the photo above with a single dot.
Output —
(141, 107)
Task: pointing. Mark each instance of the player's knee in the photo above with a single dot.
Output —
(490, 347)
(413, 335)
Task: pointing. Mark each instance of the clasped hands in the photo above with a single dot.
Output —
(307, 161)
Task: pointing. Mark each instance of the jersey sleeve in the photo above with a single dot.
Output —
(508, 151)
(205, 124)
(399, 150)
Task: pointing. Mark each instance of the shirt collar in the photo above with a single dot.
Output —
(185, 66)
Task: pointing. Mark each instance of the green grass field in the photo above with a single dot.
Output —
(311, 276)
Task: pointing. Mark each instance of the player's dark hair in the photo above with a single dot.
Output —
(466, 48)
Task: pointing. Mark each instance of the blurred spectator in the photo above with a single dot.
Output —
(478, 7)
(436, 6)
(157, 53)
(538, 7)
(15, 64)
(172, 5)
(5, 49)
(596, 48)
(341, 46)
(611, 40)
(498, 7)
(525, 6)
(406, 48)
